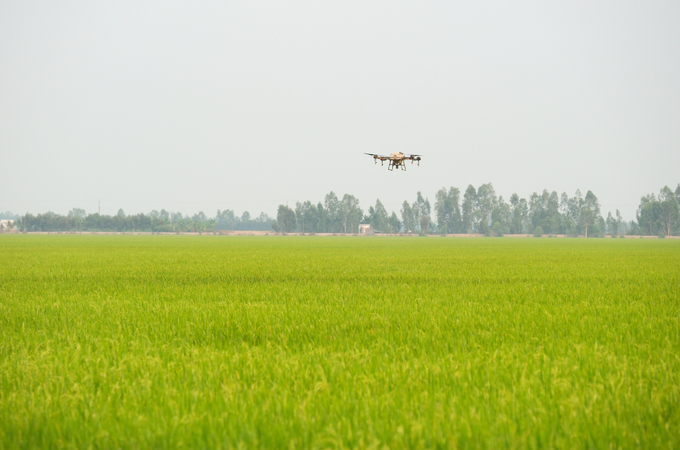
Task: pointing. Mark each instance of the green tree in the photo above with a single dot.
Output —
(587, 218)
(486, 199)
(454, 221)
(332, 205)
(590, 212)
(395, 223)
(517, 218)
(424, 224)
(226, 220)
(447, 210)
(469, 205)
(286, 219)
(649, 215)
(420, 209)
(553, 217)
(524, 211)
(501, 217)
(350, 213)
(544, 211)
(571, 213)
(77, 215)
(245, 217)
(407, 217)
(612, 225)
(299, 212)
(322, 218)
(441, 209)
(309, 217)
(379, 218)
(669, 211)
(621, 225)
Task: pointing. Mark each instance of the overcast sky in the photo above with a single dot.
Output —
(193, 106)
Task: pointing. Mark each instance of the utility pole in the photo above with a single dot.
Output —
(100, 208)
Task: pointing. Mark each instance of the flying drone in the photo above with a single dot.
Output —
(396, 160)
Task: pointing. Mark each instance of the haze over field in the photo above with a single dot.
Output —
(203, 106)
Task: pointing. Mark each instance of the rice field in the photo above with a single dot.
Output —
(338, 342)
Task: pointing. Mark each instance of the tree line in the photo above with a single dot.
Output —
(334, 215)
(156, 221)
(481, 211)
(477, 211)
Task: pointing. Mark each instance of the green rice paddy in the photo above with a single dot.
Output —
(338, 342)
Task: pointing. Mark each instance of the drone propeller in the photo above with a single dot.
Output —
(415, 158)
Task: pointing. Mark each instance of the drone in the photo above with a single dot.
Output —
(396, 160)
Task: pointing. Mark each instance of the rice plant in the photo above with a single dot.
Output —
(344, 342)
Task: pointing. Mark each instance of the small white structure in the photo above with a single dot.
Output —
(365, 228)
(6, 225)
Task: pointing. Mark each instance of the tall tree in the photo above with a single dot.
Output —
(421, 213)
(442, 212)
(286, 218)
(486, 199)
(544, 211)
(351, 213)
(553, 216)
(201, 217)
(571, 213)
(307, 216)
(469, 205)
(612, 225)
(77, 215)
(380, 219)
(322, 215)
(332, 204)
(517, 217)
(621, 225)
(669, 211)
(501, 217)
(407, 217)
(395, 223)
(226, 220)
(590, 211)
(454, 219)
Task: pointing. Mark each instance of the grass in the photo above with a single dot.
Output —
(304, 342)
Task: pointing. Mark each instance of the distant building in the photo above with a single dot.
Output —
(365, 229)
(6, 224)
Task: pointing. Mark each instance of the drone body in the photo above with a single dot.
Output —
(396, 160)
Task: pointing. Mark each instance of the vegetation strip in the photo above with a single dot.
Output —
(480, 212)
(167, 341)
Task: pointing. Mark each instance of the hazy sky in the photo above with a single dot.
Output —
(193, 106)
